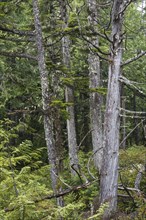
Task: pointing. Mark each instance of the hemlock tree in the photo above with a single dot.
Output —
(48, 123)
(69, 94)
(94, 83)
(109, 171)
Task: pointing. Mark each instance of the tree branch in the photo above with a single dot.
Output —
(99, 50)
(20, 55)
(130, 84)
(63, 193)
(131, 133)
(19, 32)
(133, 59)
(31, 39)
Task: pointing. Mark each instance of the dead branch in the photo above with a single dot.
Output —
(132, 112)
(133, 59)
(131, 132)
(131, 116)
(128, 83)
(129, 188)
(88, 164)
(84, 138)
(61, 180)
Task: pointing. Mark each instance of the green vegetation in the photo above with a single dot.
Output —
(25, 183)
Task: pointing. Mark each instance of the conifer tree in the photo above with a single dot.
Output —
(94, 83)
(69, 94)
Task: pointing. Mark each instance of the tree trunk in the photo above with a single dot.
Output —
(109, 172)
(123, 121)
(94, 83)
(69, 95)
(48, 125)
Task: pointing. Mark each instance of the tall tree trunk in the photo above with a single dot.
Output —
(48, 125)
(109, 172)
(69, 95)
(94, 83)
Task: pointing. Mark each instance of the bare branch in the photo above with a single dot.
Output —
(20, 55)
(61, 180)
(88, 164)
(132, 132)
(84, 138)
(132, 116)
(130, 84)
(132, 112)
(133, 59)
(129, 188)
(19, 32)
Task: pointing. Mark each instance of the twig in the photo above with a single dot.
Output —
(61, 180)
(84, 138)
(131, 132)
(89, 160)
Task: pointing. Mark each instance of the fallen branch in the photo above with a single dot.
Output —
(63, 193)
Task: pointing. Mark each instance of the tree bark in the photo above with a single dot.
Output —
(109, 172)
(48, 125)
(69, 95)
(94, 83)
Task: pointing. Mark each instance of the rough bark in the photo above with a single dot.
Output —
(48, 128)
(94, 83)
(69, 95)
(109, 173)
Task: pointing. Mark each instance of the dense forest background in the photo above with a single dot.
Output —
(72, 99)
